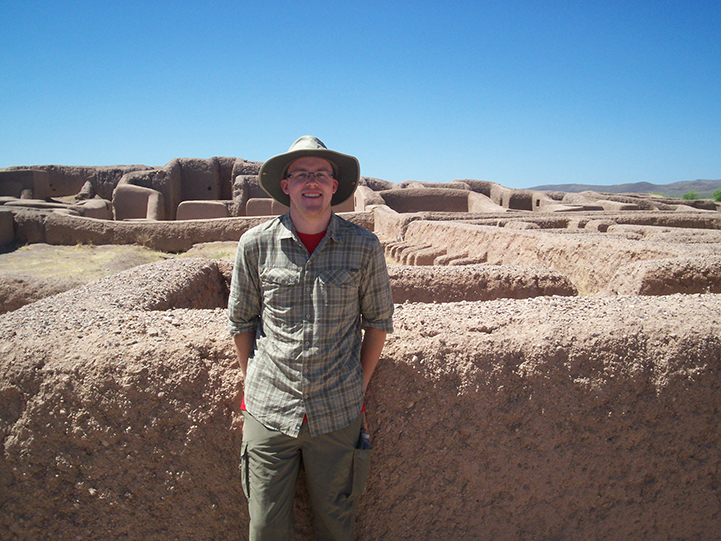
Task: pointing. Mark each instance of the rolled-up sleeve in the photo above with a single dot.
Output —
(244, 301)
(376, 298)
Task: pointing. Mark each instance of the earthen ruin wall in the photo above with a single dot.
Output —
(547, 418)
(558, 417)
(167, 236)
(66, 180)
(590, 261)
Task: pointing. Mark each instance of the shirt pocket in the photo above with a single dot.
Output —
(340, 277)
(278, 285)
(339, 290)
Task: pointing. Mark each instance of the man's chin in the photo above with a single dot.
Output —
(315, 205)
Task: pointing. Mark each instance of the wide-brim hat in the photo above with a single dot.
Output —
(346, 169)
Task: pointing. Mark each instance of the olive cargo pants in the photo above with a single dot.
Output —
(336, 470)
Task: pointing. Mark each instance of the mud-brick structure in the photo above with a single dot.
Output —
(555, 370)
(183, 189)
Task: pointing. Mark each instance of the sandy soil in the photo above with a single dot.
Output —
(35, 271)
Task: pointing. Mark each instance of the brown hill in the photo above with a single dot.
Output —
(704, 188)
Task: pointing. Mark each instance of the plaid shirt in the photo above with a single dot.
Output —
(307, 312)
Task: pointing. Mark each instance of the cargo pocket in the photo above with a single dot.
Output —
(245, 471)
(361, 467)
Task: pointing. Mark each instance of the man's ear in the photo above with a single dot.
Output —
(284, 186)
(335, 185)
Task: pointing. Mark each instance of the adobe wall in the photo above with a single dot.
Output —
(165, 180)
(179, 180)
(66, 180)
(426, 199)
(167, 236)
(194, 179)
(479, 282)
(590, 261)
(25, 184)
(7, 228)
(234, 182)
(563, 416)
(547, 418)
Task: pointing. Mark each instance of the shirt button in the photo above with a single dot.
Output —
(307, 316)
(307, 343)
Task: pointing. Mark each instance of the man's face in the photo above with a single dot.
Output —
(312, 195)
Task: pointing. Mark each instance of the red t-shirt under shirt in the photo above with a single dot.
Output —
(311, 241)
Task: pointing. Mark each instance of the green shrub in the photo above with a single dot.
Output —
(690, 196)
(717, 196)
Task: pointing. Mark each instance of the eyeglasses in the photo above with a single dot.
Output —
(320, 176)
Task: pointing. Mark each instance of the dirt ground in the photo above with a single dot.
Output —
(89, 262)
(35, 271)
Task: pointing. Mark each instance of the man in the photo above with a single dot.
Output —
(303, 287)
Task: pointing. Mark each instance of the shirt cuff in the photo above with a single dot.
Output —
(237, 328)
(385, 325)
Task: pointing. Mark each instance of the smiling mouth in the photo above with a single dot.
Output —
(312, 195)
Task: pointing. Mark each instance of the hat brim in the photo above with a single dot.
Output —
(346, 171)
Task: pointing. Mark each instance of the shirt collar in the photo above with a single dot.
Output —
(289, 231)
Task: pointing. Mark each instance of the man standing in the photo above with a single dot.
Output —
(303, 287)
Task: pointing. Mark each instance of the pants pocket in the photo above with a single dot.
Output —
(361, 467)
(245, 471)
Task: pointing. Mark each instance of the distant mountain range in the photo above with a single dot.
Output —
(704, 188)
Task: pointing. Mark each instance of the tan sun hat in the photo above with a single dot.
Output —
(346, 169)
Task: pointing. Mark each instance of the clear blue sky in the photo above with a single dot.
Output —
(519, 93)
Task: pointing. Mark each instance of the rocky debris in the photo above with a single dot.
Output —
(552, 417)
